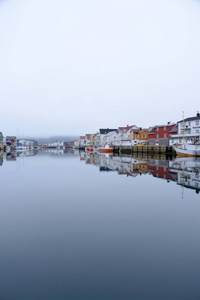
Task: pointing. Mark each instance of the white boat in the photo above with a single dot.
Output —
(187, 149)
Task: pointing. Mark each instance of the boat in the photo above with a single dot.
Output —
(89, 149)
(105, 149)
(186, 149)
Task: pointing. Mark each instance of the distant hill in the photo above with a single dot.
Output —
(59, 138)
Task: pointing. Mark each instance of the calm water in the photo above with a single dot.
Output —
(101, 228)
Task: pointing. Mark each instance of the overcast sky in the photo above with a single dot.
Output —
(70, 67)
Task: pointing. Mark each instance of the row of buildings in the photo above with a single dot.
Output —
(165, 134)
(15, 142)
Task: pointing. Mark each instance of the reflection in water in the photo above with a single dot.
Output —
(187, 171)
(76, 231)
(12, 156)
(183, 171)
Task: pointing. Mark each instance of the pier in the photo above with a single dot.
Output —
(145, 149)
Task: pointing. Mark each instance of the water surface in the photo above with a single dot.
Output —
(101, 228)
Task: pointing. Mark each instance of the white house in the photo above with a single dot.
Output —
(82, 141)
(110, 137)
(124, 136)
(102, 133)
(190, 128)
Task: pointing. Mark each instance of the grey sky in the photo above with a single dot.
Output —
(71, 67)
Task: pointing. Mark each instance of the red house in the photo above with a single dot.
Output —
(159, 134)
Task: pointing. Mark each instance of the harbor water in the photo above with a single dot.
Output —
(83, 226)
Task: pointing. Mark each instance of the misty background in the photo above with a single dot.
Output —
(71, 67)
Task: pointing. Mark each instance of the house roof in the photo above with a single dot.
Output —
(164, 125)
(144, 129)
(135, 130)
(82, 137)
(88, 136)
(152, 130)
(110, 133)
(106, 130)
(197, 117)
(174, 129)
(127, 128)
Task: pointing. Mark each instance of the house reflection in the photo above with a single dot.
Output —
(12, 156)
(184, 171)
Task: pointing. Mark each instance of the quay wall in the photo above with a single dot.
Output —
(149, 149)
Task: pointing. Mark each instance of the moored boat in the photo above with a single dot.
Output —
(187, 149)
(105, 149)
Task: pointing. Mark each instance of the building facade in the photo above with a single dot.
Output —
(189, 128)
(159, 134)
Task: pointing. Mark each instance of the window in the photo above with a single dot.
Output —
(197, 131)
(165, 135)
(144, 136)
(157, 128)
(189, 123)
(157, 136)
(165, 128)
(197, 122)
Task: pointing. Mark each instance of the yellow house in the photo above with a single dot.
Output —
(139, 136)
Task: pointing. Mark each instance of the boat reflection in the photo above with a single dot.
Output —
(187, 170)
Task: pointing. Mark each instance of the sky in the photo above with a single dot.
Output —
(70, 67)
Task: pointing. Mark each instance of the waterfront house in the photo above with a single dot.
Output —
(159, 134)
(102, 133)
(139, 136)
(92, 139)
(96, 139)
(190, 127)
(124, 136)
(82, 141)
(110, 137)
(87, 140)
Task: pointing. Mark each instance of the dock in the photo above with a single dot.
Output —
(145, 149)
